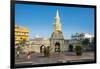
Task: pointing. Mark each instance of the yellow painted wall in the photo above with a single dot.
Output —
(21, 33)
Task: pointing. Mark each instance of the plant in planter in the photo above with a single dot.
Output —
(47, 51)
(78, 50)
(70, 48)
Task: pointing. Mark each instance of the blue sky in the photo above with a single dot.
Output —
(40, 19)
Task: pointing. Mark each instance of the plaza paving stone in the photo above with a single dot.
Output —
(38, 58)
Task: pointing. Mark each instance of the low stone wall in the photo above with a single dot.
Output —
(35, 48)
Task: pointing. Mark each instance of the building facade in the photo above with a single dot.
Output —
(82, 36)
(21, 33)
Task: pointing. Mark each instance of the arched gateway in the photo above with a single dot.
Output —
(57, 47)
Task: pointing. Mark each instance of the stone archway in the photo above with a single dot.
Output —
(41, 48)
(57, 47)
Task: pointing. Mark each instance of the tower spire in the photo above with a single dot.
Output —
(57, 14)
(57, 25)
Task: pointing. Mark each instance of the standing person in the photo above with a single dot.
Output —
(17, 54)
(18, 49)
(28, 55)
(41, 48)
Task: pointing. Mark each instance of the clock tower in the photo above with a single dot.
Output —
(57, 39)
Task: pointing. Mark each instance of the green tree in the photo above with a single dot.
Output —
(78, 50)
(22, 42)
(21, 45)
(85, 41)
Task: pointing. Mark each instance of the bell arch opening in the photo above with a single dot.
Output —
(57, 47)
